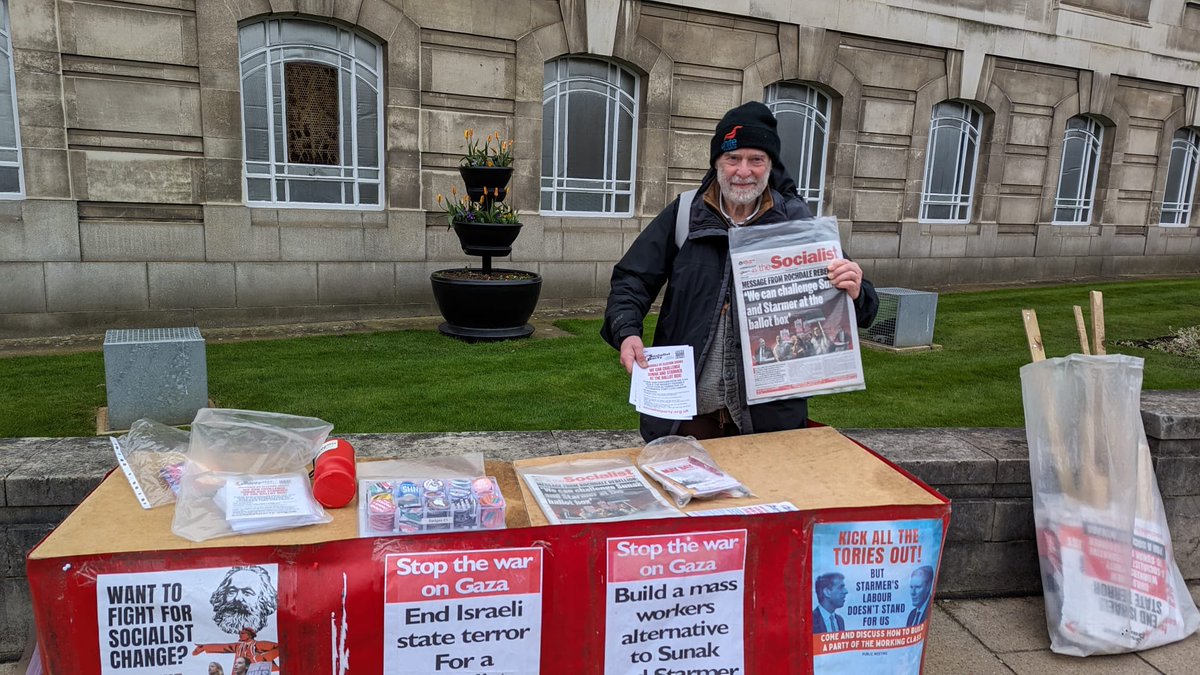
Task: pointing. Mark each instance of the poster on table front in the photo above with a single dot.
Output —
(872, 594)
(213, 621)
(473, 612)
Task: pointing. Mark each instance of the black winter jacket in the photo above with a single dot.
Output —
(696, 276)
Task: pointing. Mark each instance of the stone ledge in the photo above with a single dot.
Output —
(1171, 415)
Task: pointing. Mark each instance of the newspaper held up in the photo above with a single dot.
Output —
(598, 490)
(666, 387)
(799, 333)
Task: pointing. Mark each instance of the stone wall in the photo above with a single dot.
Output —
(130, 120)
(990, 548)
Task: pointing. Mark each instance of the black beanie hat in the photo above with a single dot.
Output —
(750, 125)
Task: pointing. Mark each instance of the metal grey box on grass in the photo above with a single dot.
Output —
(905, 318)
(156, 373)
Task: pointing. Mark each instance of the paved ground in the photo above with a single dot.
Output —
(1007, 636)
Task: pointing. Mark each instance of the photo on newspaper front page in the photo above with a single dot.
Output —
(799, 333)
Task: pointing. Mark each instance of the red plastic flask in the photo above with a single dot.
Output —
(334, 482)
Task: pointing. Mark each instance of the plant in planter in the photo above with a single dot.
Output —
(486, 303)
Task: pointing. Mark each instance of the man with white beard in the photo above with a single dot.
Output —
(746, 185)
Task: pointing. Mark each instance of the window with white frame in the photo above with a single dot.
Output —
(11, 180)
(311, 100)
(589, 136)
(951, 161)
(1080, 167)
(803, 115)
(1181, 178)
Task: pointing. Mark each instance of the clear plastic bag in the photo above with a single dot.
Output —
(594, 490)
(1109, 575)
(247, 472)
(154, 454)
(435, 494)
(686, 471)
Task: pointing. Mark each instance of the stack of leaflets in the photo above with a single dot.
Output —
(692, 476)
(264, 503)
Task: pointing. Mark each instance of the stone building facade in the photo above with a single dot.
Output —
(142, 200)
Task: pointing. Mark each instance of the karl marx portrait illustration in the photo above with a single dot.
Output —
(244, 599)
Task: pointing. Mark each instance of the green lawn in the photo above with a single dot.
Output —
(422, 381)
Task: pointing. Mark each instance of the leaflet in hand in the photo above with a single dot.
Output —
(609, 493)
(258, 503)
(693, 474)
(666, 388)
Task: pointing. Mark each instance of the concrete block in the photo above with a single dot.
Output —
(74, 287)
(448, 70)
(191, 284)
(15, 543)
(1183, 520)
(1003, 626)
(34, 25)
(505, 446)
(24, 288)
(970, 520)
(955, 650)
(884, 116)
(47, 174)
(934, 457)
(1023, 170)
(957, 491)
(346, 283)
(1002, 568)
(133, 241)
(877, 206)
(1013, 520)
(142, 177)
(704, 98)
(128, 32)
(321, 243)
(571, 280)
(403, 237)
(1009, 448)
(229, 235)
(270, 284)
(135, 106)
(413, 285)
(880, 161)
(592, 245)
(15, 618)
(1171, 415)
(63, 477)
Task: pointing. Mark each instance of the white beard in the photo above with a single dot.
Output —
(741, 194)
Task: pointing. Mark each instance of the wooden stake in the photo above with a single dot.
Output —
(1082, 328)
(1098, 322)
(1033, 334)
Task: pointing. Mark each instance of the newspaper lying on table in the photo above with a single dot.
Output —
(595, 491)
(666, 387)
(799, 333)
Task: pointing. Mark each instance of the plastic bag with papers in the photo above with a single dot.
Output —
(1109, 576)
(152, 455)
(686, 471)
(247, 472)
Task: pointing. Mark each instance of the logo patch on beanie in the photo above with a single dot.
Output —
(730, 142)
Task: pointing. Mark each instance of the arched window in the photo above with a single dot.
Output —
(11, 180)
(311, 102)
(950, 163)
(1181, 178)
(1080, 166)
(803, 114)
(589, 133)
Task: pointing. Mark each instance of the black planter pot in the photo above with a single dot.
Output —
(486, 309)
(484, 181)
(494, 239)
